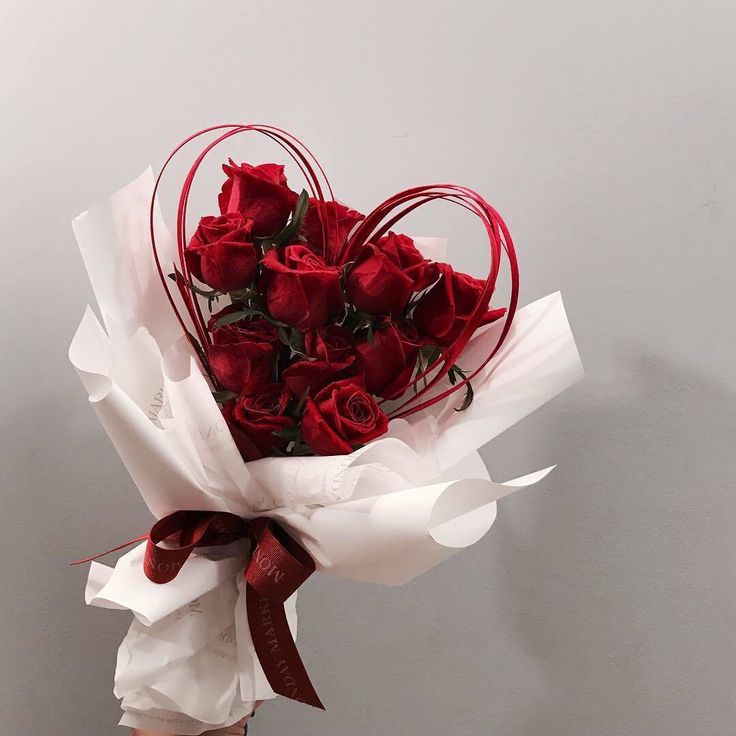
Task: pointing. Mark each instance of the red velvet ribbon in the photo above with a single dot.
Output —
(277, 567)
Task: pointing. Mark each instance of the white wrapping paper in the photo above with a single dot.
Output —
(385, 513)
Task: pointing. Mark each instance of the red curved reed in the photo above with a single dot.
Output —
(385, 216)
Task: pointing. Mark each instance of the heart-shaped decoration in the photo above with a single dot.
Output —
(432, 376)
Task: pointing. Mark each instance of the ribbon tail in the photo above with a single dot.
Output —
(110, 551)
(276, 649)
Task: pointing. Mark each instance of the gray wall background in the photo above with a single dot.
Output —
(602, 602)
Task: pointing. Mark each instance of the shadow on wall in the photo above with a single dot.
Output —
(620, 584)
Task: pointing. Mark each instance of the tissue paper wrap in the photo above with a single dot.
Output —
(385, 513)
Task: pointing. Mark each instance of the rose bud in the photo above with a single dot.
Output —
(330, 350)
(259, 193)
(326, 236)
(220, 253)
(258, 415)
(443, 311)
(243, 353)
(301, 289)
(343, 414)
(386, 273)
(388, 361)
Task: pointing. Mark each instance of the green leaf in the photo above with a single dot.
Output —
(299, 408)
(289, 233)
(468, 400)
(429, 354)
(290, 434)
(344, 270)
(207, 293)
(416, 297)
(301, 449)
(455, 372)
(266, 244)
(228, 319)
(211, 301)
(222, 397)
(284, 336)
(242, 295)
(294, 340)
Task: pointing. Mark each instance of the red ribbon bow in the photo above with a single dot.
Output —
(277, 567)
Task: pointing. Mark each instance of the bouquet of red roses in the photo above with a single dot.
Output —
(293, 387)
(322, 329)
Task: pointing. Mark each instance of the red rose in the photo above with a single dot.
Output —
(248, 449)
(301, 289)
(341, 416)
(243, 353)
(259, 193)
(257, 416)
(389, 361)
(386, 273)
(337, 220)
(331, 354)
(331, 343)
(220, 253)
(444, 311)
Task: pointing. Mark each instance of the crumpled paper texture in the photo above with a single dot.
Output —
(384, 514)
